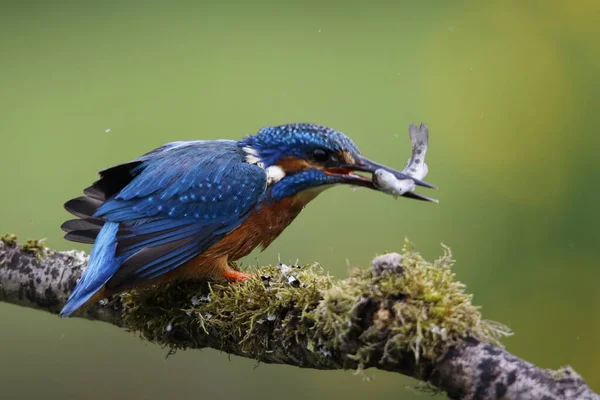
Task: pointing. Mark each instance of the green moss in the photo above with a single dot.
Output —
(421, 311)
(35, 247)
(240, 311)
(9, 239)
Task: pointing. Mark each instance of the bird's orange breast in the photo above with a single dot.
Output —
(260, 229)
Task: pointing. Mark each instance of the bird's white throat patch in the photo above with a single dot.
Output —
(274, 173)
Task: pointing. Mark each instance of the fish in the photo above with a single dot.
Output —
(388, 183)
(415, 168)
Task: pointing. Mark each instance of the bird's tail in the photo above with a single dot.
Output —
(101, 267)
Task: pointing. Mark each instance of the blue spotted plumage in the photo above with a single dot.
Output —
(297, 140)
(189, 208)
(303, 180)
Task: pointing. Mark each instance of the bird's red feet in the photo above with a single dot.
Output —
(236, 276)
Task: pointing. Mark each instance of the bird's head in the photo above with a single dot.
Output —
(309, 158)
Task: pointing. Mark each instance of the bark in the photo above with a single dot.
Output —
(466, 367)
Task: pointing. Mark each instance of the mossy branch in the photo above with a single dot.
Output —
(403, 315)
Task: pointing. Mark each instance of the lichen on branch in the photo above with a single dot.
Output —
(417, 309)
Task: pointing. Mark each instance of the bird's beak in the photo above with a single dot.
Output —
(348, 175)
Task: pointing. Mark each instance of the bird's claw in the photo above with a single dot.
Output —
(237, 276)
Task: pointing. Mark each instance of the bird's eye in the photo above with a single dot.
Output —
(321, 155)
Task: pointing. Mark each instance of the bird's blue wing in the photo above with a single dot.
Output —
(180, 200)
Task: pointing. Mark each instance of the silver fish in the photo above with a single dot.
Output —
(388, 183)
(416, 167)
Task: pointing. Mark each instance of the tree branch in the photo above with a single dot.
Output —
(404, 315)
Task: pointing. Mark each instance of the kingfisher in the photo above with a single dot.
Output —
(188, 209)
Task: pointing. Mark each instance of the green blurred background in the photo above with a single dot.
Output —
(509, 89)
